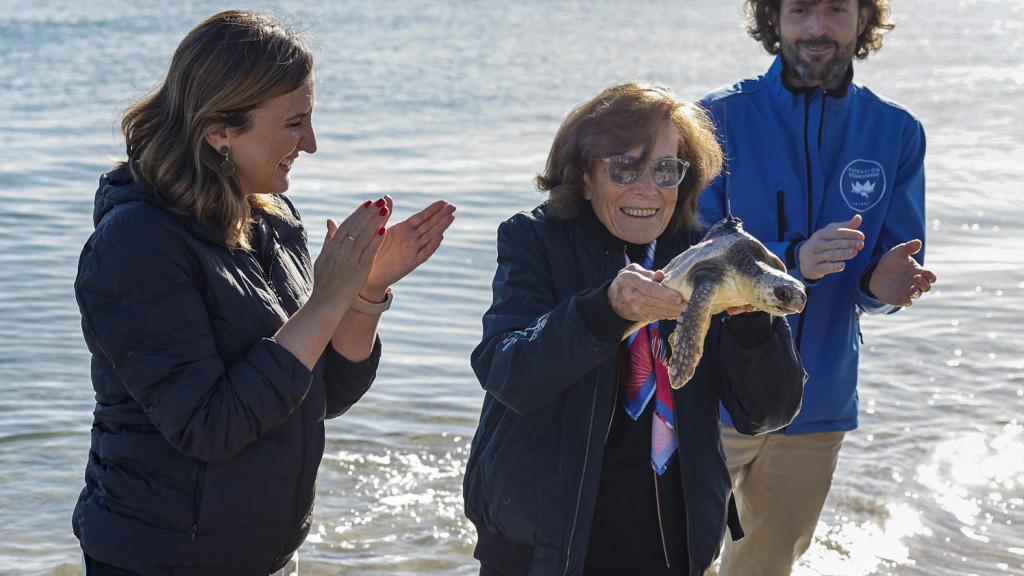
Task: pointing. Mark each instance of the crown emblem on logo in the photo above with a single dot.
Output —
(864, 188)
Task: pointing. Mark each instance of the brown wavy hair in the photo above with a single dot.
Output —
(762, 17)
(622, 117)
(223, 68)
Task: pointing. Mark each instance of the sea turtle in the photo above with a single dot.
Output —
(728, 268)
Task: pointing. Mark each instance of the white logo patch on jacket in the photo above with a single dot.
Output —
(862, 184)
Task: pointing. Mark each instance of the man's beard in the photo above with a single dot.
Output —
(818, 73)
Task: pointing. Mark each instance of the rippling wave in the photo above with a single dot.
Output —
(423, 100)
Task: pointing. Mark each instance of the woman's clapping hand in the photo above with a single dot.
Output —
(348, 252)
(406, 245)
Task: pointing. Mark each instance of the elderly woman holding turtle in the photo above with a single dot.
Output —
(586, 460)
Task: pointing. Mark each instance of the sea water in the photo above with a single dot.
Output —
(460, 100)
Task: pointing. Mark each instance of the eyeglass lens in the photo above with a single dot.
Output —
(666, 172)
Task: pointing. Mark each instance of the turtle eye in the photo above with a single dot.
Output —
(783, 293)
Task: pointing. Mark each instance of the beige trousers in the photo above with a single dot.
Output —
(780, 483)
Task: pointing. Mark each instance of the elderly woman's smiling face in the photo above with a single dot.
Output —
(640, 212)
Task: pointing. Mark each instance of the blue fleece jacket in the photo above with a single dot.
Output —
(797, 160)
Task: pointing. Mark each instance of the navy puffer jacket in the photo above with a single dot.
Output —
(534, 469)
(207, 433)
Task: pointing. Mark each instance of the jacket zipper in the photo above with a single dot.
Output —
(267, 270)
(661, 527)
(780, 214)
(269, 254)
(611, 417)
(810, 197)
(269, 276)
(821, 118)
(197, 498)
(686, 516)
(583, 475)
(298, 493)
(860, 312)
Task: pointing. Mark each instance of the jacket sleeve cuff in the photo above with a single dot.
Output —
(343, 367)
(793, 262)
(791, 253)
(599, 316)
(281, 366)
(346, 380)
(866, 300)
(762, 387)
(865, 280)
(750, 329)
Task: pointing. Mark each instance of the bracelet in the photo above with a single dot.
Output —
(363, 305)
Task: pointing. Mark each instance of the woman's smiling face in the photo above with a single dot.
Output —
(640, 212)
(278, 130)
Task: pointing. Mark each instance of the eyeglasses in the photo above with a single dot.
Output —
(624, 170)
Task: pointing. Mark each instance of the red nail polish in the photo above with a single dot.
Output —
(367, 204)
(379, 203)
(384, 211)
(380, 231)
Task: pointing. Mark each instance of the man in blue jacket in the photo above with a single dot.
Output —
(831, 177)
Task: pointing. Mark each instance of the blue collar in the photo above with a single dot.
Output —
(785, 93)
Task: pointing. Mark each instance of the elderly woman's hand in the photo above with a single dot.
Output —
(407, 245)
(637, 294)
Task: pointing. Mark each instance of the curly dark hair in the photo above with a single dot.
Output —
(622, 117)
(762, 16)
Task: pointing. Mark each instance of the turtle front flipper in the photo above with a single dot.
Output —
(687, 341)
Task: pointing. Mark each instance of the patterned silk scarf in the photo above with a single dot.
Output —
(648, 378)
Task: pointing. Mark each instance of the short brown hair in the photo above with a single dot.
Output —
(761, 26)
(224, 67)
(622, 117)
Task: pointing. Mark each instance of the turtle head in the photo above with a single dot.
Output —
(765, 283)
(776, 292)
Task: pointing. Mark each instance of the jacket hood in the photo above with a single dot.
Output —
(117, 187)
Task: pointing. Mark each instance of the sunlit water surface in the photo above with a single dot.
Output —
(460, 100)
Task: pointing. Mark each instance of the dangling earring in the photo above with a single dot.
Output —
(227, 167)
